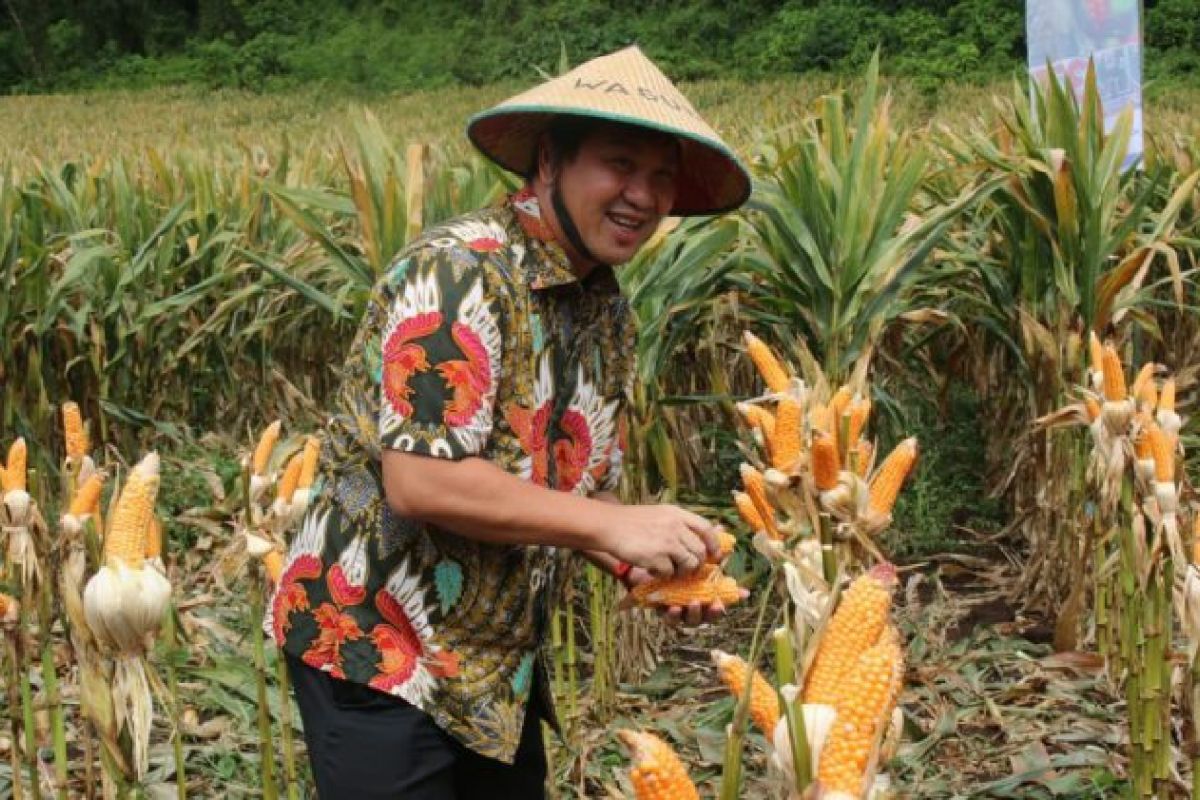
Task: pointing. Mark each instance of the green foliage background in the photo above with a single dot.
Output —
(393, 45)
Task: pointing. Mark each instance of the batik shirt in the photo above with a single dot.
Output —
(479, 341)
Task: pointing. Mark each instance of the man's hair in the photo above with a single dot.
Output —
(566, 132)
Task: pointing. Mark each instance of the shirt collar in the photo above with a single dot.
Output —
(547, 264)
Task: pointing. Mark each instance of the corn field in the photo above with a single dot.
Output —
(174, 296)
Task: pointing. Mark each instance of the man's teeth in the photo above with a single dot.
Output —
(625, 222)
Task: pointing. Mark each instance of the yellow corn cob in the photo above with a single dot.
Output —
(6, 604)
(863, 709)
(860, 410)
(1162, 452)
(854, 627)
(154, 536)
(764, 702)
(1095, 353)
(657, 773)
(748, 511)
(266, 443)
(87, 498)
(773, 373)
(1142, 380)
(890, 476)
(273, 561)
(75, 434)
(706, 585)
(126, 539)
(1092, 407)
(14, 471)
(825, 466)
(726, 541)
(756, 488)
(785, 443)
(1166, 400)
(1141, 443)
(758, 417)
(838, 404)
(291, 477)
(865, 449)
(308, 470)
(1114, 375)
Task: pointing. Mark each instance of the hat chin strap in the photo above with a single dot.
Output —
(568, 226)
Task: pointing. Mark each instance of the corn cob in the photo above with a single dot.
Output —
(825, 466)
(1114, 375)
(784, 444)
(657, 773)
(764, 702)
(1166, 399)
(860, 411)
(10, 609)
(706, 585)
(14, 471)
(863, 710)
(75, 434)
(885, 488)
(273, 561)
(854, 627)
(266, 443)
(772, 372)
(748, 511)
(87, 499)
(308, 469)
(1143, 381)
(1141, 442)
(291, 478)
(864, 451)
(726, 541)
(756, 489)
(1095, 353)
(1162, 452)
(154, 536)
(1149, 395)
(837, 406)
(126, 539)
(758, 418)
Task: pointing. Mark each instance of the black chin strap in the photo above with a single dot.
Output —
(568, 226)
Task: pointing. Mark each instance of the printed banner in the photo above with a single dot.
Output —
(1068, 32)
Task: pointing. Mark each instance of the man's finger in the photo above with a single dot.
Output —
(695, 613)
(673, 615)
(662, 567)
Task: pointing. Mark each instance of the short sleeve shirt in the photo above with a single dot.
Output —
(479, 341)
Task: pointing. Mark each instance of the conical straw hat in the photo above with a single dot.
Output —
(624, 86)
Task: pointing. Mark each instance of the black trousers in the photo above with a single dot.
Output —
(367, 745)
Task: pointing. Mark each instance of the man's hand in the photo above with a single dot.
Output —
(693, 613)
(663, 540)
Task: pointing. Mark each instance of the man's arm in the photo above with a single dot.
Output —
(476, 499)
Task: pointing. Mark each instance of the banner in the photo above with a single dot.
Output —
(1067, 32)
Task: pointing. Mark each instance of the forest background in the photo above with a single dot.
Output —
(397, 46)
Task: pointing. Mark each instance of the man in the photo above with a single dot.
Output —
(476, 445)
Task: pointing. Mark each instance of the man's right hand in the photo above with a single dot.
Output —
(664, 540)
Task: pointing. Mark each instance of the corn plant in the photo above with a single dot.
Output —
(1064, 247)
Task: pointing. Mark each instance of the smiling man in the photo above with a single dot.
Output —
(476, 443)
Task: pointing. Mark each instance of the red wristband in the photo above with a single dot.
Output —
(621, 570)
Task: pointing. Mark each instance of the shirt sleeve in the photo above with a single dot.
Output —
(440, 350)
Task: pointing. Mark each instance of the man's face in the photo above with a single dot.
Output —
(617, 188)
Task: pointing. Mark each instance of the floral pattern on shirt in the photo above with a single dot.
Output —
(478, 341)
